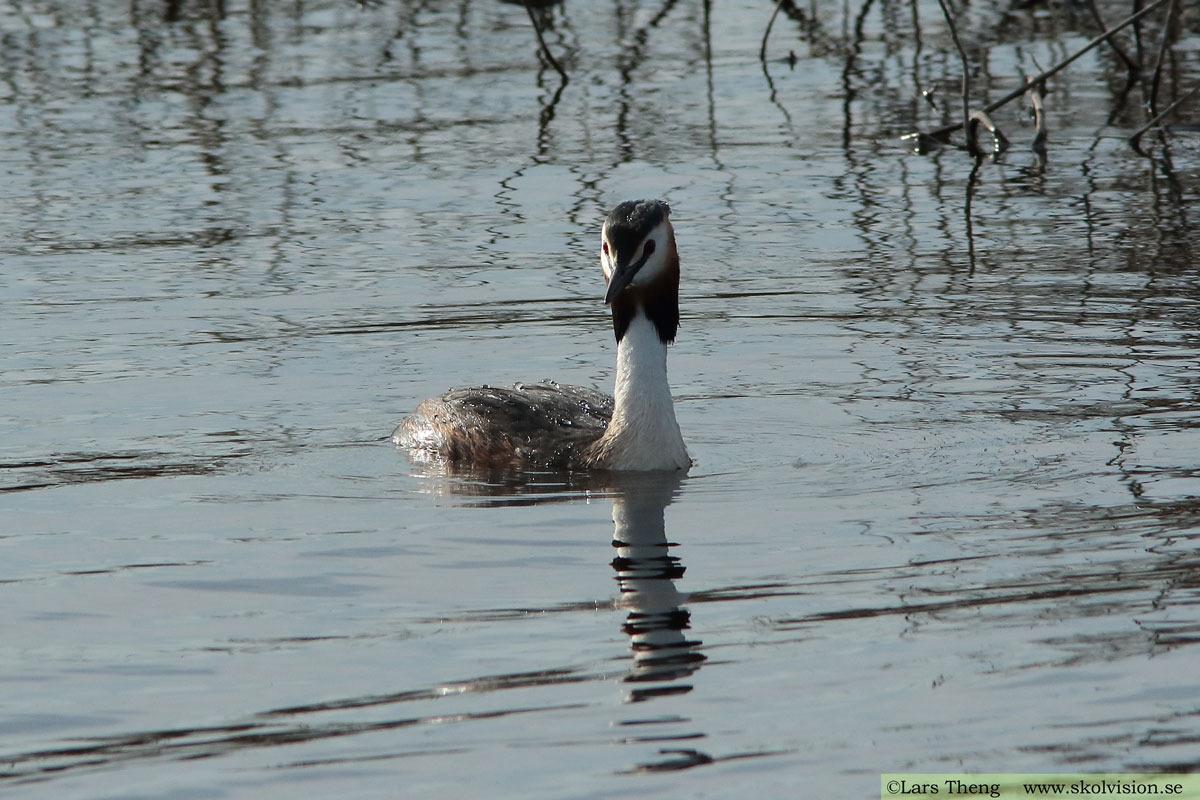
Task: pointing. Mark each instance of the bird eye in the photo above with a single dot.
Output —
(605, 248)
(648, 248)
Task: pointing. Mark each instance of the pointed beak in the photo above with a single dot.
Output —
(622, 276)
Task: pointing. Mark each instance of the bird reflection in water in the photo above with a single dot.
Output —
(657, 623)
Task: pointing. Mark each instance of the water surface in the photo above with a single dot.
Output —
(943, 515)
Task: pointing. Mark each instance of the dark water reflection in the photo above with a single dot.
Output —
(646, 573)
(944, 510)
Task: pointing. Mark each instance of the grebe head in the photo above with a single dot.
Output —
(637, 246)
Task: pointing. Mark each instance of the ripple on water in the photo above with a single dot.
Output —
(943, 511)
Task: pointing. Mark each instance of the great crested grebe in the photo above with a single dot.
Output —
(556, 426)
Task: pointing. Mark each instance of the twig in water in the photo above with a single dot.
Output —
(1162, 55)
(537, 28)
(1000, 142)
(942, 133)
(1036, 92)
(1130, 66)
(762, 57)
(762, 51)
(1135, 141)
(972, 146)
(1137, 38)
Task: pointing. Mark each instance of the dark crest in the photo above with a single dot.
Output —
(629, 223)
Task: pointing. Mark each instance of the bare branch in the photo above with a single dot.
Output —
(1000, 142)
(537, 28)
(1041, 78)
(972, 146)
(1135, 141)
(1162, 56)
(1036, 91)
(1130, 65)
(762, 51)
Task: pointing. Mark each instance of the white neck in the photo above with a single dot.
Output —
(643, 433)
